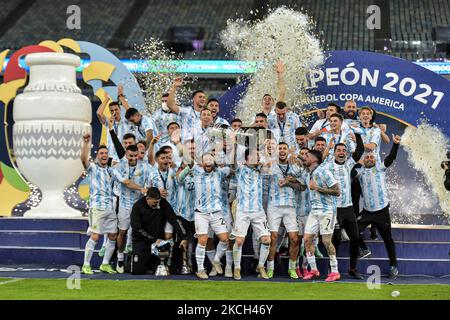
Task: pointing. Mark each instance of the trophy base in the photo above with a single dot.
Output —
(54, 208)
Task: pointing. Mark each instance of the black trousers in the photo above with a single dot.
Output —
(381, 219)
(356, 195)
(142, 259)
(346, 219)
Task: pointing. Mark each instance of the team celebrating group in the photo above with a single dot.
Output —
(183, 173)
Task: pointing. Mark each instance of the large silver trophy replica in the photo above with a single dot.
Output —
(246, 136)
(163, 252)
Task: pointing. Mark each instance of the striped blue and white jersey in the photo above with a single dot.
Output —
(203, 142)
(139, 174)
(166, 180)
(186, 197)
(100, 186)
(373, 186)
(176, 158)
(120, 128)
(140, 131)
(284, 131)
(342, 137)
(371, 135)
(208, 188)
(161, 120)
(189, 119)
(282, 196)
(303, 200)
(325, 179)
(342, 173)
(249, 189)
(227, 159)
(220, 120)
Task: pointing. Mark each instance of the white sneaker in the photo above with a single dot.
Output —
(120, 267)
(216, 269)
(202, 274)
(228, 272)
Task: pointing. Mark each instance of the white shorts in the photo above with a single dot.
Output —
(102, 221)
(283, 213)
(228, 224)
(320, 221)
(244, 219)
(124, 218)
(301, 221)
(213, 220)
(168, 228)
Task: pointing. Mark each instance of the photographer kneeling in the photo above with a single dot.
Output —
(148, 218)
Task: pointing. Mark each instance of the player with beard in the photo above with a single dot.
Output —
(188, 117)
(132, 175)
(281, 208)
(213, 105)
(372, 177)
(350, 113)
(250, 212)
(346, 219)
(323, 125)
(141, 126)
(323, 192)
(337, 135)
(208, 184)
(102, 218)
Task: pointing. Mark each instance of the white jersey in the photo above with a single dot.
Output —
(371, 135)
(203, 142)
(140, 132)
(325, 179)
(342, 173)
(342, 137)
(100, 186)
(186, 197)
(373, 186)
(166, 180)
(161, 120)
(282, 196)
(139, 174)
(189, 119)
(208, 189)
(249, 189)
(284, 131)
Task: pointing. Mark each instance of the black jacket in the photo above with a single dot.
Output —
(148, 223)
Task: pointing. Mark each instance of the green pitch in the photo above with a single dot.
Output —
(54, 289)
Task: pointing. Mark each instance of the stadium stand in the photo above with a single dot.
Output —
(340, 24)
(46, 19)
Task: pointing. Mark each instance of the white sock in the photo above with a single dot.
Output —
(105, 240)
(120, 256)
(311, 260)
(292, 264)
(88, 251)
(256, 244)
(128, 237)
(237, 254)
(270, 264)
(109, 250)
(304, 263)
(211, 254)
(333, 264)
(263, 254)
(229, 257)
(200, 257)
(220, 251)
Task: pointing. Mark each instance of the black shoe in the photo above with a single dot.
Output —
(355, 274)
(364, 253)
(373, 233)
(393, 272)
